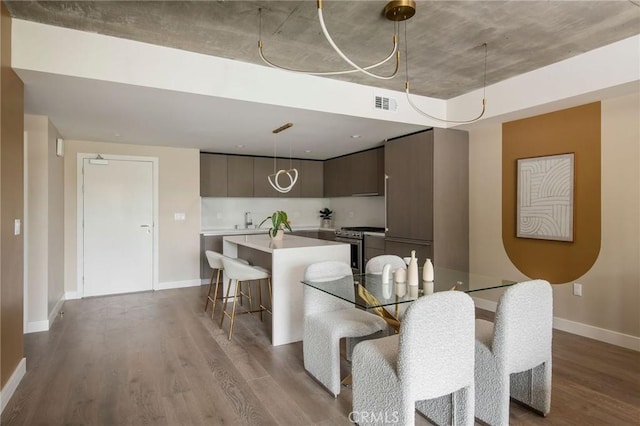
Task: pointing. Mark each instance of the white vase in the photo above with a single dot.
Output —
(412, 270)
(427, 271)
(278, 236)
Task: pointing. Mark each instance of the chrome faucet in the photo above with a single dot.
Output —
(247, 219)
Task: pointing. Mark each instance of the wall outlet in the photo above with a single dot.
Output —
(577, 289)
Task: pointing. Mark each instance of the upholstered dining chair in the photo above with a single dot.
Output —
(427, 366)
(375, 264)
(513, 354)
(327, 319)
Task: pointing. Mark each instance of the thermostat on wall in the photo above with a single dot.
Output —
(60, 147)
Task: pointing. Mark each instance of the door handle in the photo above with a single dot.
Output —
(145, 226)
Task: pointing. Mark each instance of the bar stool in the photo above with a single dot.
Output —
(241, 272)
(215, 262)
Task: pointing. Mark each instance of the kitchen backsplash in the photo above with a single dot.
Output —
(226, 213)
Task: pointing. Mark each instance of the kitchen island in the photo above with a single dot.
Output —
(287, 260)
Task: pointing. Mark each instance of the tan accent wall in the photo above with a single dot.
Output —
(179, 192)
(611, 288)
(575, 130)
(11, 206)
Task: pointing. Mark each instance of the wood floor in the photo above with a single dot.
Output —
(156, 359)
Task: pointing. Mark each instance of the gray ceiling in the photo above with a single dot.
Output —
(445, 57)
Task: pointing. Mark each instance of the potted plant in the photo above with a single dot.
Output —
(279, 221)
(325, 215)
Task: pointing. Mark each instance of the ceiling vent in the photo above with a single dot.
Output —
(385, 103)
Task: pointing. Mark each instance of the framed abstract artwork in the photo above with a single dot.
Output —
(545, 197)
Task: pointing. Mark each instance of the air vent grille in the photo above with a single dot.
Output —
(385, 103)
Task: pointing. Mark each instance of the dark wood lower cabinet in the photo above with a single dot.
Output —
(424, 249)
(208, 242)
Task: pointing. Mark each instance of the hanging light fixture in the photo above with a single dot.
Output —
(291, 173)
(355, 67)
(396, 11)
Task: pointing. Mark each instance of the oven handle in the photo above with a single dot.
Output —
(354, 241)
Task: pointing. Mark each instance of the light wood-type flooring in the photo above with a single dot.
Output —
(156, 358)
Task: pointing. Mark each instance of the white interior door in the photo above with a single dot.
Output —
(118, 226)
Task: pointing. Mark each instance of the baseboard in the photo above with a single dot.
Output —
(71, 295)
(573, 327)
(12, 384)
(177, 284)
(36, 326)
(56, 310)
(597, 333)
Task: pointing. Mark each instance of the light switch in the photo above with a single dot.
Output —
(179, 216)
(16, 227)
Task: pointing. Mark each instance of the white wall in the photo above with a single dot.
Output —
(609, 307)
(179, 192)
(225, 213)
(43, 225)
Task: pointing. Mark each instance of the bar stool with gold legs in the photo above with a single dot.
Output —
(215, 262)
(240, 272)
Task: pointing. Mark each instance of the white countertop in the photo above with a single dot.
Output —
(250, 231)
(263, 243)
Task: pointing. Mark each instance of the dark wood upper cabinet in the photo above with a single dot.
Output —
(367, 172)
(311, 179)
(337, 177)
(239, 176)
(213, 175)
(361, 174)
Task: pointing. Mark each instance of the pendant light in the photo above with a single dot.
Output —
(396, 11)
(355, 68)
(291, 173)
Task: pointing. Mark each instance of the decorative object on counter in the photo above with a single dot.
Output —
(427, 287)
(279, 221)
(400, 278)
(292, 173)
(427, 271)
(386, 273)
(325, 215)
(412, 271)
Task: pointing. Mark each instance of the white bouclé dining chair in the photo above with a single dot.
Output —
(376, 264)
(513, 354)
(328, 319)
(428, 366)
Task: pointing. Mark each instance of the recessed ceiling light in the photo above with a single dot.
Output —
(116, 134)
(355, 136)
(307, 151)
(239, 146)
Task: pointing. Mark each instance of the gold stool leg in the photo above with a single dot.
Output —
(224, 307)
(215, 294)
(233, 311)
(206, 303)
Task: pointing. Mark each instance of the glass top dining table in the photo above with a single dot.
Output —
(367, 290)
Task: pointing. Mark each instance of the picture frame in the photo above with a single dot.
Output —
(545, 197)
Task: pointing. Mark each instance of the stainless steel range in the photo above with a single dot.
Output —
(355, 236)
